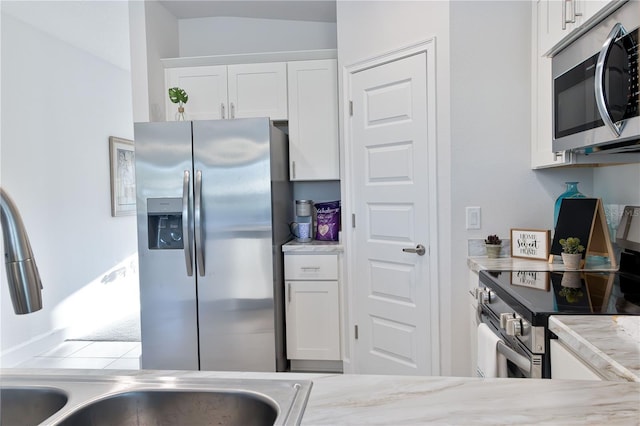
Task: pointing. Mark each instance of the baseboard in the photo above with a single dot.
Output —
(315, 366)
(33, 347)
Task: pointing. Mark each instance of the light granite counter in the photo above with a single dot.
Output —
(478, 263)
(313, 247)
(366, 399)
(610, 344)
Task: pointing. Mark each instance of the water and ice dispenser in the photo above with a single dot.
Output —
(164, 221)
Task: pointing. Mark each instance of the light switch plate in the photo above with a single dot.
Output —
(473, 217)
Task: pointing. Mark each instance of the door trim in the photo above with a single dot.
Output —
(429, 48)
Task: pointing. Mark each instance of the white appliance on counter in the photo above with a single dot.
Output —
(213, 205)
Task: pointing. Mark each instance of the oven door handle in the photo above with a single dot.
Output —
(601, 101)
(521, 361)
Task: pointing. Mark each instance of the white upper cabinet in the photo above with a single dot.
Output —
(230, 91)
(207, 90)
(313, 120)
(542, 154)
(258, 90)
(561, 18)
(547, 33)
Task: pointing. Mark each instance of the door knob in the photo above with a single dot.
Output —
(419, 250)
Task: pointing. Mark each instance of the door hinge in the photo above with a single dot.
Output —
(356, 332)
(351, 108)
(353, 220)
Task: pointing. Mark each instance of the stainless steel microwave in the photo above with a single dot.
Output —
(595, 87)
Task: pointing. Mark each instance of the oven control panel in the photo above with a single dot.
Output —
(509, 322)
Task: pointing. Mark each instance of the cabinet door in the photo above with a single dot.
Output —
(574, 13)
(207, 90)
(560, 18)
(312, 320)
(590, 8)
(258, 90)
(542, 154)
(313, 120)
(566, 365)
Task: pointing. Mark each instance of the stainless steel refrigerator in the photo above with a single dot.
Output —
(213, 206)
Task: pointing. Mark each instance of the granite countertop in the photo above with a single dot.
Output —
(610, 344)
(367, 399)
(477, 263)
(313, 247)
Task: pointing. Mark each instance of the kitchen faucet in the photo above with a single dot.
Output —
(23, 278)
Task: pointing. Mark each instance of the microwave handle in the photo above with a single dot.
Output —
(601, 102)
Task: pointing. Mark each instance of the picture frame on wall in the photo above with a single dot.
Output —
(123, 176)
(530, 243)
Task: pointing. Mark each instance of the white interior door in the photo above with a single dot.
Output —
(390, 185)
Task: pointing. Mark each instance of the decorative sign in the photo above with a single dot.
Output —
(583, 218)
(530, 243)
(538, 280)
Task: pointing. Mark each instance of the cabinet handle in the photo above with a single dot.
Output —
(293, 169)
(289, 292)
(310, 268)
(574, 13)
(233, 111)
(575, 10)
(222, 110)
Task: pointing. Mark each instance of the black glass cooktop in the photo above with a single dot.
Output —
(543, 293)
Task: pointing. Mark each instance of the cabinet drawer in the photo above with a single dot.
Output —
(311, 267)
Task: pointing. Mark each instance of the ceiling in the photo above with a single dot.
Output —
(296, 10)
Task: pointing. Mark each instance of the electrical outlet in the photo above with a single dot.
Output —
(473, 217)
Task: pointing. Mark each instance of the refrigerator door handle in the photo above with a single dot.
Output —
(198, 223)
(185, 223)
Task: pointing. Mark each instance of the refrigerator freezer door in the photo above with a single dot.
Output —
(236, 292)
(167, 292)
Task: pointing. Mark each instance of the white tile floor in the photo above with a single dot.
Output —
(93, 355)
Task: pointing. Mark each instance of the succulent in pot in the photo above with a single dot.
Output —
(493, 244)
(571, 252)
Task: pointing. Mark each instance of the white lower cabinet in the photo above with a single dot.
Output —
(313, 329)
(566, 365)
(312, 307)
(474, 282)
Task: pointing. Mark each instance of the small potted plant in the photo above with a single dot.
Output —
(571, 252)
(180, 97)
(493, 245)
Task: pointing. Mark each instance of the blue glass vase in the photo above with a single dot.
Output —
(570, 192)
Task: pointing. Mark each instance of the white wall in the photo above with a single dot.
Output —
(483, 108)
(234, 35)
(490, 125)
(162, 42)
(66, 87)
(370, 28)
(139, 69)
(618, 184)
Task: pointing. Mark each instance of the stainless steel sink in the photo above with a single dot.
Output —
(158, 398)
(29, 406)
(158, 407)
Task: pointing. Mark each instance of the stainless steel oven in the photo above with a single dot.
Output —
(595, 87)
(516, 305)
(522, 344)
